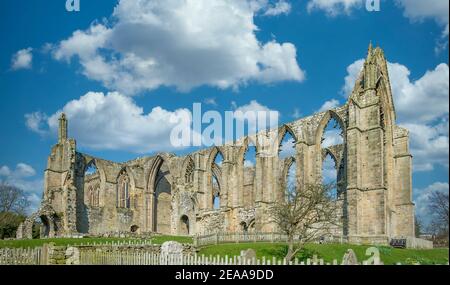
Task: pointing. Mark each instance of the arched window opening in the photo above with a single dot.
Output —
(91, 184)
(123, 190)
(249, 173)
(332, 134)
(291, 182)
(330, 176)
(287, 146)
(162, 214)
(91, 169)
(94, 196)
(244, 227)
(134, 229)
(189, 174)
(250, 156)
(184, 225)
(216, 193)
(215, 180)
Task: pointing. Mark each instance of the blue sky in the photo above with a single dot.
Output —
(316, 45)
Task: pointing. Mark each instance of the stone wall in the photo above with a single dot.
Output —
(70, 255)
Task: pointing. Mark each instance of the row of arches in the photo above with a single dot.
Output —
(158, 207)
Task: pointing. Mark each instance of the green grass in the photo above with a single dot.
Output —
(74, 241)
(329, 252)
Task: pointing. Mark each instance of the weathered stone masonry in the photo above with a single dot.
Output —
(170, 194)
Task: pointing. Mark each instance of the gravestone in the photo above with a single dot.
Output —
(72, 256)
(248, 255)
(350, 258)
(171, 252)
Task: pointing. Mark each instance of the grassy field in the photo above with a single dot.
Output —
(333, 251)
(74, 241)
(328, 252)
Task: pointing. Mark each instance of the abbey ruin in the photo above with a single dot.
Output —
(192, 194)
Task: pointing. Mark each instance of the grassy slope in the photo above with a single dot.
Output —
(74, 241)
(333, 251)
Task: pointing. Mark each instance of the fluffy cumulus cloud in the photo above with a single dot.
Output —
(24, 177)
(23, 59)
(332, 137)
(279, 8)
(422, 199)
(429, 144)
(113, 121)
(419, 10)
(329, 172)
(287, 148)
(184, 44)
(353, 71)
(328, 105)
(421, 106)
(253, 117)
(334, 7)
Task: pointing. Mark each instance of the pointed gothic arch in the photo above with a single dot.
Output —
(159, 197)
(326, 118)
(283, 131)
(189, 168)
(123, 189)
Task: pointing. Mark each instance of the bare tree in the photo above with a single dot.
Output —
(13, 204)
(438, 208)
(418, 225)
(12, 200)
(305, 215)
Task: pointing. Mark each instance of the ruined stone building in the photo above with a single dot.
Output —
(194, 194)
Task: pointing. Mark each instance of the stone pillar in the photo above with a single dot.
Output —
(62, 130)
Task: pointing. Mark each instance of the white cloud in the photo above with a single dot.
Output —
(423, 100)
(353, 71)
(36, 122)
(279, 8)
(296, 114)
(334, 7)
(429, 145)
(183, 44)
(255, 109)
(328, 105)
(22, 59)
(248, 163)
(422, 106)
(287, 148)
(24, 177)
(329, 172)
(210, 101)
(418, 10)
(113, 121)
(422, 199)
(332, 137)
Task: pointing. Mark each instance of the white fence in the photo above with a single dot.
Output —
(146, 258)
(20, 256)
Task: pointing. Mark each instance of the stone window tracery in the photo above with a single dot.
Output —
(123, 190)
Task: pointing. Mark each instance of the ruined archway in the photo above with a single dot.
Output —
(214, 196)
(162, 199)
(184, 226)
